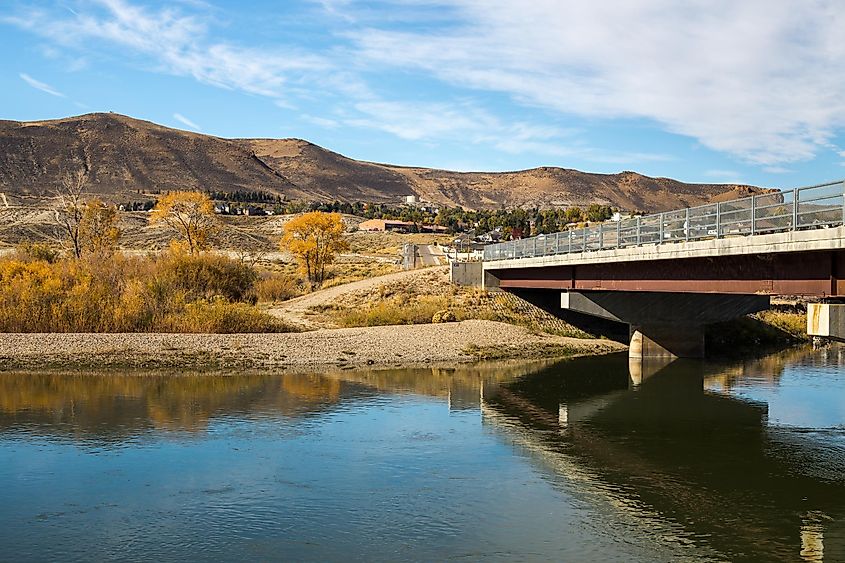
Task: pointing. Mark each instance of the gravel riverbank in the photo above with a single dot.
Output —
(380, 346)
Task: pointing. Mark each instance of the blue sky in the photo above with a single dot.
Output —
(707, 91)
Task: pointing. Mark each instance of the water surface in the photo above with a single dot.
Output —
(583, 460)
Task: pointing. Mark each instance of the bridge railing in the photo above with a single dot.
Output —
(810, 207)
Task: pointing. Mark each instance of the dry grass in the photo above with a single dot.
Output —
(792, 323)
(415, 301)
(393, 311)
(273, 287)
(172, 292)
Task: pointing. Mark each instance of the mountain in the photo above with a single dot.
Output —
(124, 156)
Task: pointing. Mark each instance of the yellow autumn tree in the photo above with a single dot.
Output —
(98, 232)
(190, 214)
(315, 239)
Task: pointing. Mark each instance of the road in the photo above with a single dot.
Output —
(430, 255)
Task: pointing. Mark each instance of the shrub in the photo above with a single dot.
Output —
(204, 276)
(37, 251)
(220, 316)
(277, 287)
(394, 311)
(444, 316)
(174, 292)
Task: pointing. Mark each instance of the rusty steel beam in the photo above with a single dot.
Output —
(820, 273)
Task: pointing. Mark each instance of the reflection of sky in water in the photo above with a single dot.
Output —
(378, 478)
(805, 395)
(413, 465)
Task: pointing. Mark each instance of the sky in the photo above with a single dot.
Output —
(702, 91)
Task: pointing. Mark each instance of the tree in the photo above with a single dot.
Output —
(596, 212)
(315, 239)
(191, 214)
(98, 232)
(573, 215)
(71, 207)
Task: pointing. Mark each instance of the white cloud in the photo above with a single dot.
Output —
(777, 170)
(175, 43)
(320, 121)
(760, 80)
(185, 121)
(38, 85)
(434, 122)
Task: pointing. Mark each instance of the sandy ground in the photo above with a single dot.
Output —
(405, 345)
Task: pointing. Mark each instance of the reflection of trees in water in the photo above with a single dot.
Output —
(699, 460)
(724, 377)
(114, 405)
(438, 381)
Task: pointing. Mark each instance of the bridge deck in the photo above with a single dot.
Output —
(797, 250)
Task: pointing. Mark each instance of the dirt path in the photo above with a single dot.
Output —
(295, 311)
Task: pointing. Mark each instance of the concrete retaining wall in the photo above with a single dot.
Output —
(466, 273)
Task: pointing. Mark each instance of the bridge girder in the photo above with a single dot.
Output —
(817, 273)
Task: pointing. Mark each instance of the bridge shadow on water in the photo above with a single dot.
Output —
(673, 442)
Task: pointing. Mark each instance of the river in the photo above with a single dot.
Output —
(582, 460)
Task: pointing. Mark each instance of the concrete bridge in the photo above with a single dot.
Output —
(670, 274)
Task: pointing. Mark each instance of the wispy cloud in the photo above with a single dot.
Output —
(777, 169)
(324, 122)
(185, 121)
(175, 43)
(759, 80)
(38, 85)
(465, 122)
(748, 79)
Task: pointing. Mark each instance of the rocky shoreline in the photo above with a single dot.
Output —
(388, 346)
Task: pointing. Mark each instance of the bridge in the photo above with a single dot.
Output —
(668, 275)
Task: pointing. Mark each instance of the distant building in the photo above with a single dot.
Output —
(411, 199)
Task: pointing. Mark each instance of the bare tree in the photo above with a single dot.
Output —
(71, 210)
(250, 257)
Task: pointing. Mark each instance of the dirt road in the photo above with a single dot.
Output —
(295, 311)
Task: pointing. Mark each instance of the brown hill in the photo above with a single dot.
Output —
(125, 155)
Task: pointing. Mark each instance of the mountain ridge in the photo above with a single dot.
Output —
(125, 155)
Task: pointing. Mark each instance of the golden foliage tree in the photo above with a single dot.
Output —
(315, 239)
(191, 214)
(98, 232)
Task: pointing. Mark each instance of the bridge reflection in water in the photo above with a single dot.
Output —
(673, 448)
(684, 453)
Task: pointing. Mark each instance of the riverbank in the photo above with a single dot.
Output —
(388, 346)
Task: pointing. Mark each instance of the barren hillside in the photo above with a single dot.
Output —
(124, 156)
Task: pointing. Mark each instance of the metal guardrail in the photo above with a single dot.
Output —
(801, 208)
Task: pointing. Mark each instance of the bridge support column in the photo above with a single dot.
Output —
(664, 324)
(667, 341)
(826, 320)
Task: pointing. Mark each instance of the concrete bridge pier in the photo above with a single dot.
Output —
(826, 320)
(664, 324)
(667, 341)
